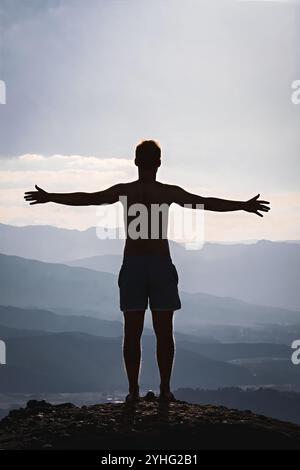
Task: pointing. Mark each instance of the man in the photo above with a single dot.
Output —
(147, 273)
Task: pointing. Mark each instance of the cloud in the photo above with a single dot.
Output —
(210, 80)
(64, 163)
(56, 173)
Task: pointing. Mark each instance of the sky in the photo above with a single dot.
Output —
(210, 80)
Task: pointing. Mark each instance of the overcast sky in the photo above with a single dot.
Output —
(210, 80)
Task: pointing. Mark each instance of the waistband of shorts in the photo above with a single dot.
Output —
(147, 259)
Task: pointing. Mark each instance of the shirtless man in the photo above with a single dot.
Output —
(147, 273)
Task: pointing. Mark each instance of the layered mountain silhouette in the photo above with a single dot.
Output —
(77, 362)
(263, 272)
(75, 290)
(48, 349)
(60, 317)
(31, 320)
(53, 244)
(267, 401)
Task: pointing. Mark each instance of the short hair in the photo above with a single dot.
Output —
(148, 154)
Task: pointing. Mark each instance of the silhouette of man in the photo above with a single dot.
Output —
(147, 273)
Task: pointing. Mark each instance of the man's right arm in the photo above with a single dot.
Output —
(108, 196)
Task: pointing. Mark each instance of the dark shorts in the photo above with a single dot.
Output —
(149, 280)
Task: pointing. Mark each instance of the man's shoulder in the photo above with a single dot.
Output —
(125, 186)
(170, 187)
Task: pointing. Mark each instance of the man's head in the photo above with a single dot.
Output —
(147, 155)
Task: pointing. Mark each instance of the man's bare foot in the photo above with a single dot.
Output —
(132, 397)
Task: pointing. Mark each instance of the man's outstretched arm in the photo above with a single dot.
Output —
(184, 198)
(108, 196)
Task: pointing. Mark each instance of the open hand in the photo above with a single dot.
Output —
(255, 205)
(37, 197)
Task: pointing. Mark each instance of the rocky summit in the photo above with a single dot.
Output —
(148, 424)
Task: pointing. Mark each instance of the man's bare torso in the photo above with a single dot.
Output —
(140, 196)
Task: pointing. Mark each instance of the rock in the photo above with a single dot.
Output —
(65, 405)
(150, 396)
(37, 404)
(149, 424)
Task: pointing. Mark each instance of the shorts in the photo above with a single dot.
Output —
(149, 280)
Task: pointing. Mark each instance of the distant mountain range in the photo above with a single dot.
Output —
(40, 362)
(79, 291)
(270, 402)
(35, 321)
(77, 362)
(53, 244)
(30, 283)
(53, 353)
(264, 273)
(18, 322)
(63, 327)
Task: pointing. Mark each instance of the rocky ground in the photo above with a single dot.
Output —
(146, 425)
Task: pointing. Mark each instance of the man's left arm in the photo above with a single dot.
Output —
(184, 198)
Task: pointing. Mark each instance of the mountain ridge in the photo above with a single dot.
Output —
(80, 362)
(57, 287)
(264, 272)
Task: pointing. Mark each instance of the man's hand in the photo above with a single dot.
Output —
(255, 205)
(37, 197)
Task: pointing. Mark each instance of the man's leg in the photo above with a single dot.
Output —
(133, 328)
(163, 327)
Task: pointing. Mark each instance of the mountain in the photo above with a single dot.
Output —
(53, 244)
(283, 333)
(15, 321)
(72, 290)
(263, 340)
(178, 426)
(7, 332)
(43, 320)
(268, 363)
(201, 308)
(75, 362)
(263, 272)
(233, 351)
(30, 283)
(103, 263)
(265, 401)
